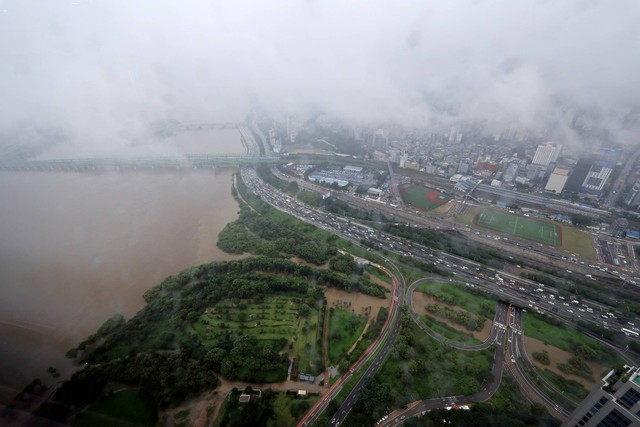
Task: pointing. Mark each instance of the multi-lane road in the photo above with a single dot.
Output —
(371, 360)
(497, 329)
(506, 286)
(380, 354)
(518, 360)
(500, 327)
(533, 253)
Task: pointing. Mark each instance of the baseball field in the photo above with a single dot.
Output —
(519, 226)
(424, 198)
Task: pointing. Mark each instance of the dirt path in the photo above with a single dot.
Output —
(325, 345)
(205, 409)
(364, 331)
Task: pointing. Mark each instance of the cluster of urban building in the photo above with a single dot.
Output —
(512, 159)
(545, 168)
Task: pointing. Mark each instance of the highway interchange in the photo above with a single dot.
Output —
(508, 287)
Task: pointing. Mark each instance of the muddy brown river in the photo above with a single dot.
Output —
(77, 248)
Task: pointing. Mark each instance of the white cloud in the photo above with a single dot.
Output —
(101, 67)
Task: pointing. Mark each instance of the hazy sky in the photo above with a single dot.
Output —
(103, 68)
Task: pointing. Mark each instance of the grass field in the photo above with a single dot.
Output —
(578, 242)
(468, 216)
(423, 197)
(124, 408)
(344, 329)
(567, 339)
(526, 228)
(275, 319)
(458, 295)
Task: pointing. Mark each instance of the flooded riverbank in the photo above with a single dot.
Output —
(77, 248)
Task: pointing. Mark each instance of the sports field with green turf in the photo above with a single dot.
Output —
(519, 226)
(421, 197)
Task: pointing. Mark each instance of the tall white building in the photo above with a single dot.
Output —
(615, 402)
(292, 129)
(546, 153)
(403, 159)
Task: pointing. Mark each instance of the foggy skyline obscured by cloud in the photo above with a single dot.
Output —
(105, 69)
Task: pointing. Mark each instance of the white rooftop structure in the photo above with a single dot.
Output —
(546, 153)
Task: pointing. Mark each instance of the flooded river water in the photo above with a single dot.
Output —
(77, 248)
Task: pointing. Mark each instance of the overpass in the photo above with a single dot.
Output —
(186, 161)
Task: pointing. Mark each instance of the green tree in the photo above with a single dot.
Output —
(304, 310)
(373, 396)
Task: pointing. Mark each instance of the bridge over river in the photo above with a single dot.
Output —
(189, 161)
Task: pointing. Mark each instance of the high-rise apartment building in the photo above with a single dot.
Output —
(546, 154)
(614, 403)
(292, 129)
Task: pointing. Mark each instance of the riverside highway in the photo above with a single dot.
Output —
(497, 329)
(379, 355)
(532, 252)
(517, 362)
(510, 288)
(399, 416)
(372, 358)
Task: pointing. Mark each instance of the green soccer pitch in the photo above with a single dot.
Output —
(526, 228)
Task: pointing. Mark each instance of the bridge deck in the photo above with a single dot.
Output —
(146, 162)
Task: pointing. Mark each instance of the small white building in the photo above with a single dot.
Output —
(557, 180)
(374, 192)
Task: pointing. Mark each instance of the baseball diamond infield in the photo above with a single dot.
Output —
(423, 197)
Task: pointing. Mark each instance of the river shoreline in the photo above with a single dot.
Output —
(78, 248)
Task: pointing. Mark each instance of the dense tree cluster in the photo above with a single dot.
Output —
(581, 221)
(464, 318)
(158, 350)
(249, 360)
(415, 361)
(164, 378)
(542, 357)
(344, 264)
(256, 413)
(261, 234)
(577, 366)
(373, 396)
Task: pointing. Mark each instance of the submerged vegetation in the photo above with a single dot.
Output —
(244, 320)
(241, 320)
